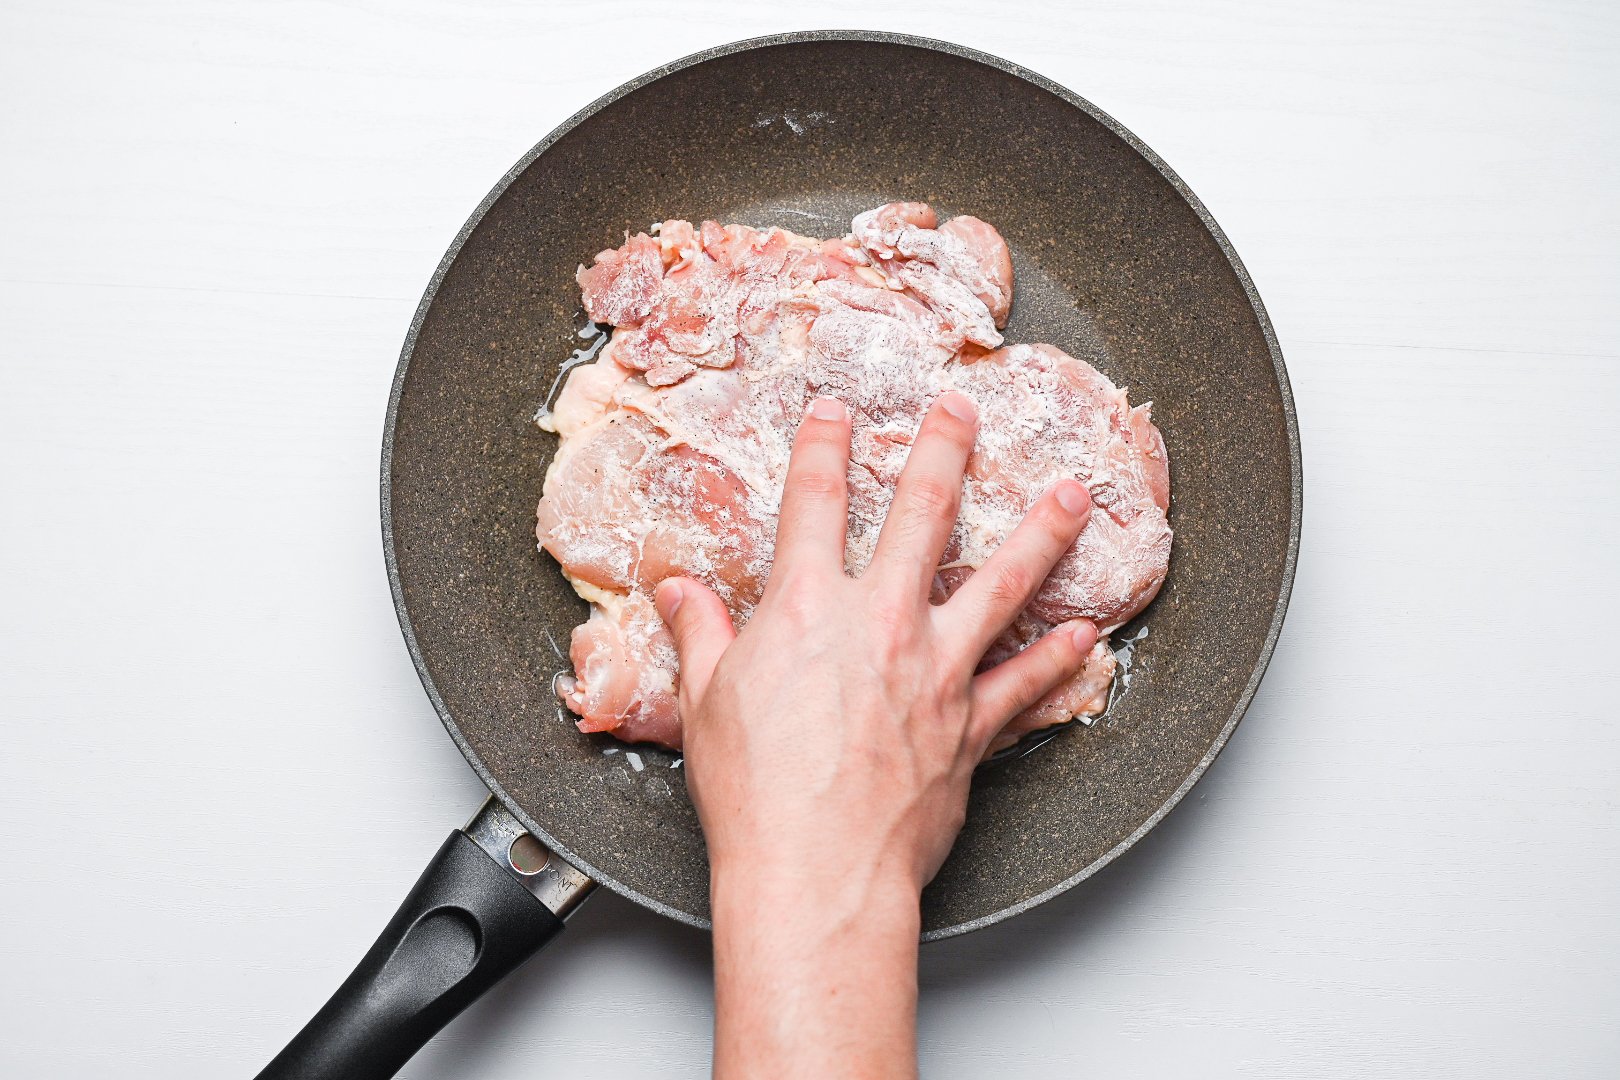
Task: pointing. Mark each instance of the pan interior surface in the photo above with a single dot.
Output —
(1114, 264)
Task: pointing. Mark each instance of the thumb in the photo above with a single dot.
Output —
(702, 628)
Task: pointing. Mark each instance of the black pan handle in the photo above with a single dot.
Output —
(491, 898)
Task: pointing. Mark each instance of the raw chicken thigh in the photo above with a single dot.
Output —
(675, 440)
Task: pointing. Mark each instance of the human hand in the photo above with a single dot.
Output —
(841, 727)
(830, 744)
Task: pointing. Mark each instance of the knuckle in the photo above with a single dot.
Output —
(1008, 585)
(942, 425)
(817, 433)
(689, 626)
(1054, 521)
(933, 496)
(893, 622)
(1027, 689)
(895, 632)
(819, 485)
(795, 593)
(798, 611)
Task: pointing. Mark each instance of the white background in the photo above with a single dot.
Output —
(219, 773)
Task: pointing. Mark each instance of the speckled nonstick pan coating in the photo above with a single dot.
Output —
(1116, 262)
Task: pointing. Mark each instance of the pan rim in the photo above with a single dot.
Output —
(1206, 219)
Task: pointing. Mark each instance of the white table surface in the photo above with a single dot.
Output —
(219, 773)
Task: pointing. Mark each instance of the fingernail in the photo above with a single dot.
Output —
(669, 598)
(1073, 497)
(960, 406)
(827, 409)
(1084, 634)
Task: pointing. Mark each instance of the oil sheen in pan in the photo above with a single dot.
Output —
(1124, 643)
(594, 336)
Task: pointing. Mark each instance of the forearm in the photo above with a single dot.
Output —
(815, 973)
(831, 743)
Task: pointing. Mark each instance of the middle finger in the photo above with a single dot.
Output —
(927, 497)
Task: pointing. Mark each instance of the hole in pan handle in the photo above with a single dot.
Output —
(491, 898)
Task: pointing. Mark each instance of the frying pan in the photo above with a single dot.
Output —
(1116, 261)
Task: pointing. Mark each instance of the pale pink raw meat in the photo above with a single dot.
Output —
(1086, 694)
(675, 440)
(1067, 419)
(626, 508)
(624, 672)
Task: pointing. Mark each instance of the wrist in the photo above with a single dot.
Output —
(815, 968)
(784, 870)
(810, 896)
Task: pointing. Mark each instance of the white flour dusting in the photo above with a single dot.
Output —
(675, 439)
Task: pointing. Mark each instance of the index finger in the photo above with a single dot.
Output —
(815, 501)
